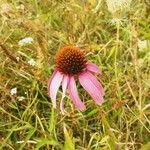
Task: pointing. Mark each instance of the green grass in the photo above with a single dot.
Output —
(121, 123)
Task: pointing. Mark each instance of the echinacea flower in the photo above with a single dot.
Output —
(70, 65)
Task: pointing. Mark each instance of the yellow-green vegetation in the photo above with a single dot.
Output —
(115, 36)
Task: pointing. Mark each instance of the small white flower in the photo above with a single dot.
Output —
(17, 58)
(32, 62)
(142, 44)
(27, 40)
(13, 91)
(21, 98)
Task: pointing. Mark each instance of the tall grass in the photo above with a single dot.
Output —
(110, 39)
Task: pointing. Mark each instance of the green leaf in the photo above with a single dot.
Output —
(146, 146)
(43, 142)
(69, 143)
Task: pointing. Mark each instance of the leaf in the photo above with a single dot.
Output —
(69, 143)
(43, 142)
(112, 51)
(91, 113)
(146, 146)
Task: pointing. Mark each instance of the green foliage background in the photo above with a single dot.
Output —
(110, 41)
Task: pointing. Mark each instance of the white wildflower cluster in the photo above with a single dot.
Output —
(118, 9)
(116, 5)
(27, 40)
(142, 44)
(32, 62)
(13, 91)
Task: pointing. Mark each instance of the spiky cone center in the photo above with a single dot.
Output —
(70, 60)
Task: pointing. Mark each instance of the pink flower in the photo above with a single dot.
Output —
(71, 64)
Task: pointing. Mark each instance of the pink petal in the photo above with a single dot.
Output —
(96, 83)
(49, 81)
(74, 94)
(54, 85)
(65, 82)
(91, 86)
(93, 68)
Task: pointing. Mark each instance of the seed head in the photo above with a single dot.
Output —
(70, 60)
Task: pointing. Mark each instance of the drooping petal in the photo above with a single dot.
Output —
(93, 68)
(96, 82)
(65, 82)
(86, 80)
(74, 94)
(54, 85)
(49, 81)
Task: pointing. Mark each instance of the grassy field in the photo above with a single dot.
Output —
(116, 37)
